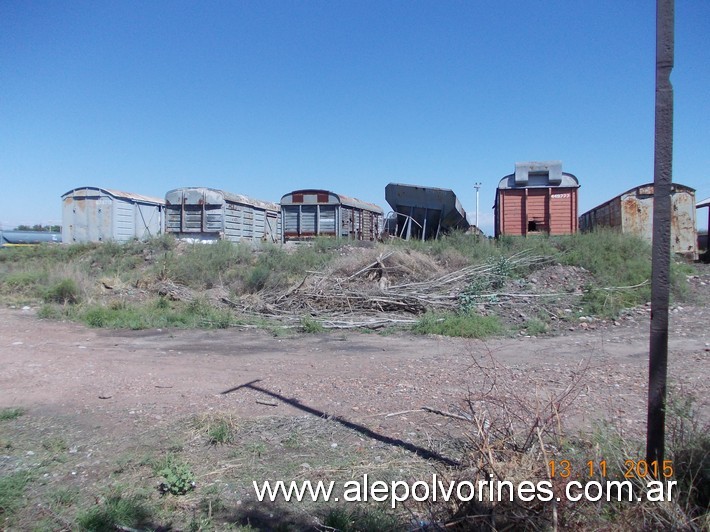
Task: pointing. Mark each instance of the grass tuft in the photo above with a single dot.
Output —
(462, 324)
(7, 414)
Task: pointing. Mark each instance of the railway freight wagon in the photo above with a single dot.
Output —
(632, 213)
(206, 214)
(423, 212)
(306, 214)
(28, 238)
(94, 214)
(538, 198)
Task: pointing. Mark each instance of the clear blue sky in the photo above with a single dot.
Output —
(265, 97)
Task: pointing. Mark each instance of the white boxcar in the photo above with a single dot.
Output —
(94, 214)
(205, 214)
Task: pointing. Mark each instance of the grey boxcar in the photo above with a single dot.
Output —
(207, 214)
(307, 214)
(632, 212)
(94, 214)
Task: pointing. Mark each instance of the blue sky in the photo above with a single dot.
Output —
(265, 97)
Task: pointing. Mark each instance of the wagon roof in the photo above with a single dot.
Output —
(236, 198)
(568, 181)
(118, 194)
(344, 200)
(676, 186)
(704, 203)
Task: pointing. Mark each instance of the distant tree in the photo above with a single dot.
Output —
(39, 227)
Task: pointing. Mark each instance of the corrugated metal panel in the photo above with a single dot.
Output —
(290, 219)
(326, 221)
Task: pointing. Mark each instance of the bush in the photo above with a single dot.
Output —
(64, 291)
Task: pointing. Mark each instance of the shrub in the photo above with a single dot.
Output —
(64, 291)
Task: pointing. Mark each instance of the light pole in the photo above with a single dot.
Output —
(477, 186)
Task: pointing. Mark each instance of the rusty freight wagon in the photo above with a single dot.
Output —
(94, 214)
(205, 214)
(306, 214)
(632, 212)
(539, 198)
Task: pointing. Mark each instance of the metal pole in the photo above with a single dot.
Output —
(660, 266)
(477, 186)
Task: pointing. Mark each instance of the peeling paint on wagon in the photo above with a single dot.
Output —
(95, 214)
(632, 213)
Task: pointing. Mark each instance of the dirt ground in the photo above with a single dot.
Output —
(125, 378)
(109, 387)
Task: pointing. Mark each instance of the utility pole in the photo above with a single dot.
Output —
(660, 262)
(477, 186)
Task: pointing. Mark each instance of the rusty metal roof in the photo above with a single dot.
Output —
(91, 191)
(344, 200)
(645, 189)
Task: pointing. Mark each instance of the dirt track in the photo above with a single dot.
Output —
(118, 380)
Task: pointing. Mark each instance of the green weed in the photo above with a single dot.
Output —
(220, 432)
(115, 512)
(63, 292)
(7, 414)
(310, 325)
(12, 492)
(178, 479)
(466, 325)
(535, 327)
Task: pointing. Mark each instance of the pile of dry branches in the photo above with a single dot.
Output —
(377, 293)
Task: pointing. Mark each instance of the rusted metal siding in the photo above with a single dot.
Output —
(94, 214)
(632, 213)
(206, 214)
(306, 214)
(537, 199)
